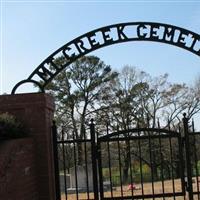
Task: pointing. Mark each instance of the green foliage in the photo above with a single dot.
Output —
(196, 169)
(136, 174)
(10, 127)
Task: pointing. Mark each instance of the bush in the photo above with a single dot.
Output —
(10, 127)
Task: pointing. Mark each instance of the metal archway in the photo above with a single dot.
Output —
(109, 35)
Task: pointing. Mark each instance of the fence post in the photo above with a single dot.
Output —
(188, 160)
(56, 165)
(94, 159)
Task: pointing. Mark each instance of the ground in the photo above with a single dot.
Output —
(147, 190)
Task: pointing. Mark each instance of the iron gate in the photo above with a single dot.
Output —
(140, 163)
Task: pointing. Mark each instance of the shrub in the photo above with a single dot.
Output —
(10, 127)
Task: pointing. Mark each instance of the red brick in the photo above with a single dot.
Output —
(26, 165)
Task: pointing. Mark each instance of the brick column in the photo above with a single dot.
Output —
(36, 113)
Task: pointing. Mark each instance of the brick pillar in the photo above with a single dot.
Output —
(36, 112)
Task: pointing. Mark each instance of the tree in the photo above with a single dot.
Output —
(135, 98)
(121, 107)
(124, 100)
(77, 91)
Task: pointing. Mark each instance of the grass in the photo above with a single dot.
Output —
(147, 189)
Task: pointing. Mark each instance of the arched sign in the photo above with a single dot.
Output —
(109, 35)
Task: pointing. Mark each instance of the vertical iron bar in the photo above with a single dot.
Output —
(130, 161)
(171, 161)
(196, 169)
(75, 168)
(94, 159)
(120, 173)
(150, 154)
(101, 189)
(64, 164)
(188, 159)
(109, 165)
(196, 161)
(86, 165)
(56, 164)
(141, 171)
(182, 163)
(162, 164)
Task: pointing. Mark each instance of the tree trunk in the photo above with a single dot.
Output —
(80, 153)
(126, 163)
(125, 174)
(155, 172)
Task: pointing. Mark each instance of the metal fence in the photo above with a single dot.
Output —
(140, 163)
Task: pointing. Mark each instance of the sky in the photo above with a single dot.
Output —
(32, 30)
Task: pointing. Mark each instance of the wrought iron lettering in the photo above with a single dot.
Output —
(44, 73)
(113, 34)
(80, 46)
(141, 31)
(52, 63)
(196, 46)
(107, 35)
(93, 40)
(121, 34)
(168, 34)
(69, 54)
(154, 31)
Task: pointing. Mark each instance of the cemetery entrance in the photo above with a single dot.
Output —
(140, 163)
